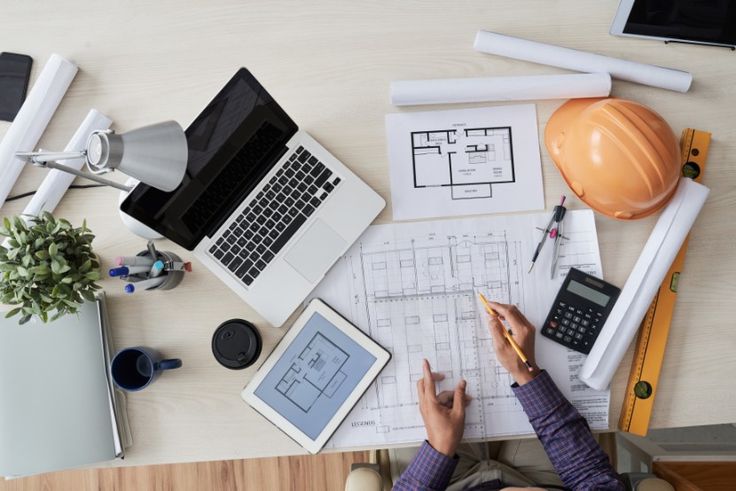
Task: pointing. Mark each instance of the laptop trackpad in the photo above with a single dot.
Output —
(315, 251)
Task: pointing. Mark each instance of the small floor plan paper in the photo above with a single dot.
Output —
(464, 162)
(413, 287)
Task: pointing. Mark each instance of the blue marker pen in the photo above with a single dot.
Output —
(128, 270)
(144, 284)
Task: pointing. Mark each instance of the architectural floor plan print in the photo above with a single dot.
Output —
(414, 287)
(466, 161)
(315, 373)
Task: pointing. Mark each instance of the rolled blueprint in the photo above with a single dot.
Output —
(32, 119)
(57, 182)
(456, 90)
(650, 269)
(582, 61)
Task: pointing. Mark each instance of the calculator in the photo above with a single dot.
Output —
(580, 310)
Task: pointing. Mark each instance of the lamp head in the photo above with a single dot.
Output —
(155, 155)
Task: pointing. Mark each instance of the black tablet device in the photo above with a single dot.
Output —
(711, 22)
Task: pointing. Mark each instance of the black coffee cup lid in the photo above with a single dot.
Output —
(236, 344)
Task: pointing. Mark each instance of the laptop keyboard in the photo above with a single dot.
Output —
(268, 222)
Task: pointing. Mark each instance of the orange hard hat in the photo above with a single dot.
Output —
(619, 157)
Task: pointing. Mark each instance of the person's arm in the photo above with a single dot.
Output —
(579, 460)
(444, 420)
(565, 435)
(430, 470)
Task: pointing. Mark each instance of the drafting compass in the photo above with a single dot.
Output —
(553, 231)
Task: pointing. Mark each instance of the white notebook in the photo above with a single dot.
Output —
(58, 407)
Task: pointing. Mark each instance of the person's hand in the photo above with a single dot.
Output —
(443, 413)
(522, 332)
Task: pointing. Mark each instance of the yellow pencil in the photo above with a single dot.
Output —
(507, 334)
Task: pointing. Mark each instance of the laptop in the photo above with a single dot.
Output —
(263, 206)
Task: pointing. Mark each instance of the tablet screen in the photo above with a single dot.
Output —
(710, 21)
(314, 376)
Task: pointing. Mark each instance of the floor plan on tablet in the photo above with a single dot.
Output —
(467, 161)
(317, 372)
(464, 162)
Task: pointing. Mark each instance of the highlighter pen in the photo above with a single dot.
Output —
(128, 270)
(144, 284)
(507, 334)
(156, 269)
(133, 261)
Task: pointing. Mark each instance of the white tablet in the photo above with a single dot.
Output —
(688, 21)
(315, 375)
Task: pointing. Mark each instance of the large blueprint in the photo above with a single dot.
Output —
(413, 288)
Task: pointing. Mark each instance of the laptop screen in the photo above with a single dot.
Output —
(233, 143)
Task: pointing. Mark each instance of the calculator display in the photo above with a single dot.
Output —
(588, 293)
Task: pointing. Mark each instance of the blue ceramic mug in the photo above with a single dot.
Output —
(136, 368)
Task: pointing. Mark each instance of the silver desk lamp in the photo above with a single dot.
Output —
(155, 155)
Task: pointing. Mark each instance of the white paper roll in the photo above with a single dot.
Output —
(57, 182)
(582, 61)
(457, 90)
(32, 119)
(650, 269)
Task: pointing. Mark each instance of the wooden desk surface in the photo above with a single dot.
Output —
(329, 64)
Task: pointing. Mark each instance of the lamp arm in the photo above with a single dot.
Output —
(79, 173)
(40, 158)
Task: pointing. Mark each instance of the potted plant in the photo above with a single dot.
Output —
(47, 267)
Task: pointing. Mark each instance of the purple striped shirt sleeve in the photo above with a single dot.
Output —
(429, 471)
(578, 459)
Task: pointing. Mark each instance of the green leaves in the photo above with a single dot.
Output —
(47, 268)
(86, 266)
(12, 312)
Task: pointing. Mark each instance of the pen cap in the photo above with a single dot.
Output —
(236, 344)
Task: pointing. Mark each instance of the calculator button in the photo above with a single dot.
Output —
(570, 332)
(584, 323)
(579, 312)
(599, 314)
(576, 319)
(582, 329)
(578, 336)
(565, 322)
(558, 334)
(549, 331)
(567, 339)
(553, 324)
(573, 325)
(571, 308)
(568, 315)
(562, 304)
